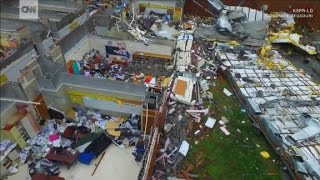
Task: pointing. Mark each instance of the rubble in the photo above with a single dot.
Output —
(292, 38)
(224, 130)
(227, 92)
(6, 53)
(182, 90)
(210, 122)
(194, 64)
(185, 109)
(275, 105)
(283, 101)
(76, 137)
(184, 148)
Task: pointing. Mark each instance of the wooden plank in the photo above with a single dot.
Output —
(94, 171)
(152, 55)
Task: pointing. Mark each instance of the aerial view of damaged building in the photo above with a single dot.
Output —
(160, 89)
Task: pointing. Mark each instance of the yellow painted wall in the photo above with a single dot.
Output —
(7, 135)
(177, 14)
(4, 42)
(15, 133)
(3, 79)
(17, 35)
(14, 136)
(77, 97)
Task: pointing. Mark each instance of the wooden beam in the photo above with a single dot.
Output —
(98, 163)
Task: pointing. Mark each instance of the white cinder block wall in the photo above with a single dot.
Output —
(98, 43)
(78, 50)
(13, 70)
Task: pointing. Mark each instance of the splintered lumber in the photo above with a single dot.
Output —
(98, 163)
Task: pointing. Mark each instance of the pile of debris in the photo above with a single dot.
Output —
(6, 52)
(94, 64)
(190, 85)
(79, 135)
(197, 60)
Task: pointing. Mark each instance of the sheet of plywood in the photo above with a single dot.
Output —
(181, 87)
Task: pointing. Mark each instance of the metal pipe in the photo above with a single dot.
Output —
(50, 106)
(21, 101)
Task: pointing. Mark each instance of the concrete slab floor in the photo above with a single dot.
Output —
(117, 163)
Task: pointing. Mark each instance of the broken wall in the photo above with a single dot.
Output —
(69, 41)
(103, 24)
(19, 60)
(7, 112)
(78, 50)
(12, 90)
(59, 100)
(23, 70)
(66, 30)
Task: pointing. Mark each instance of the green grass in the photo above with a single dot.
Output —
(236, 156)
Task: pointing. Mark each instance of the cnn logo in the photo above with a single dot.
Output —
(28, 9)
